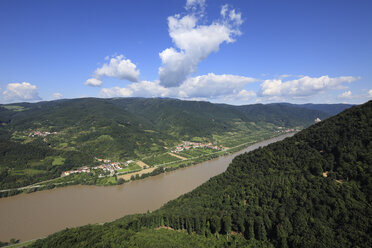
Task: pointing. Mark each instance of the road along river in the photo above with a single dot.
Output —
(30, 216)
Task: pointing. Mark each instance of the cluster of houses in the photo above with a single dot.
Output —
(42, 134)
(84, 169)
(107, 166)
(186, 145)
(286, 130)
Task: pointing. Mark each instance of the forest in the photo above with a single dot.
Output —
(38, 141)
(311, 190)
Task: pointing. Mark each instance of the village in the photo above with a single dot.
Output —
(106, 166)
(41, 134)
(113, 167)
(186, 145)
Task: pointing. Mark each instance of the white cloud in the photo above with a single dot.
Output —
(370, 92)
(118, 67)
(194, 4)
(235, 17)
(141, 89)
(212, 86)
(304, 86)
(20, 92)
(115, 92)
(194, 42)
(246, 95)
(93, 82)
(149, 89)
(57, 96)
(346, 94)
(224, 10)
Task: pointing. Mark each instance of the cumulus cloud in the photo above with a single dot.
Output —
(150, 89)
(115, 92)
(304, 86)
(57, 96)
(346, 94)
(194, 42)
(204, 87)
(370, 92)
(93, 82)
(140, 89)
(246, 95)
(194, 4)
(116, 67)
(20, 92)
(212, 86)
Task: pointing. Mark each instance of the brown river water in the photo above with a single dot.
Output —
(35, 215)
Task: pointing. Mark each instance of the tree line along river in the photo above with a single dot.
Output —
(30, 216)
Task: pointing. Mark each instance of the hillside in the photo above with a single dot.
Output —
(311, 190)
(332, 109)
(38, 141)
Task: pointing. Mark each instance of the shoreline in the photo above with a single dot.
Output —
(132, 198)
(143, 173)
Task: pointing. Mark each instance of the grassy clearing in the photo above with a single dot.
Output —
(106, 181)
(63, 145)
(196, 152)
(35, 163)
(233, 139)
(29, 172)
(160, 159)
(130, 167)
(58, 160)
(14, 108)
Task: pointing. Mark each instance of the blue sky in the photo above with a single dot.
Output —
(237, 52)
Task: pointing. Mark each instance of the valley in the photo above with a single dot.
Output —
(39, 142)
(273, 196)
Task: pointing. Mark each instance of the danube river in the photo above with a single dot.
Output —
(30, 216)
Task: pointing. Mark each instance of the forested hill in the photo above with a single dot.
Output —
(311, 190)
(331, 109)
(40, 140)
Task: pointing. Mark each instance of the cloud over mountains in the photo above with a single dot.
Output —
(194, 39)
(118, 67)
(304, 86)
(20, 92)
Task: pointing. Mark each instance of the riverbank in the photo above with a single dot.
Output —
(30, 216)
(128, 174)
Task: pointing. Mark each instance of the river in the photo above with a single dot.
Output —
(30, 216)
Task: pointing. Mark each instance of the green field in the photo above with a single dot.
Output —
(232, 139)
(14, 108)
(26, 172)
(197, 152)
(106, 181)
(130, 167)
(160, 159)
(58, 161)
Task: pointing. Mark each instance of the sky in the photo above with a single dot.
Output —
(223, 51)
